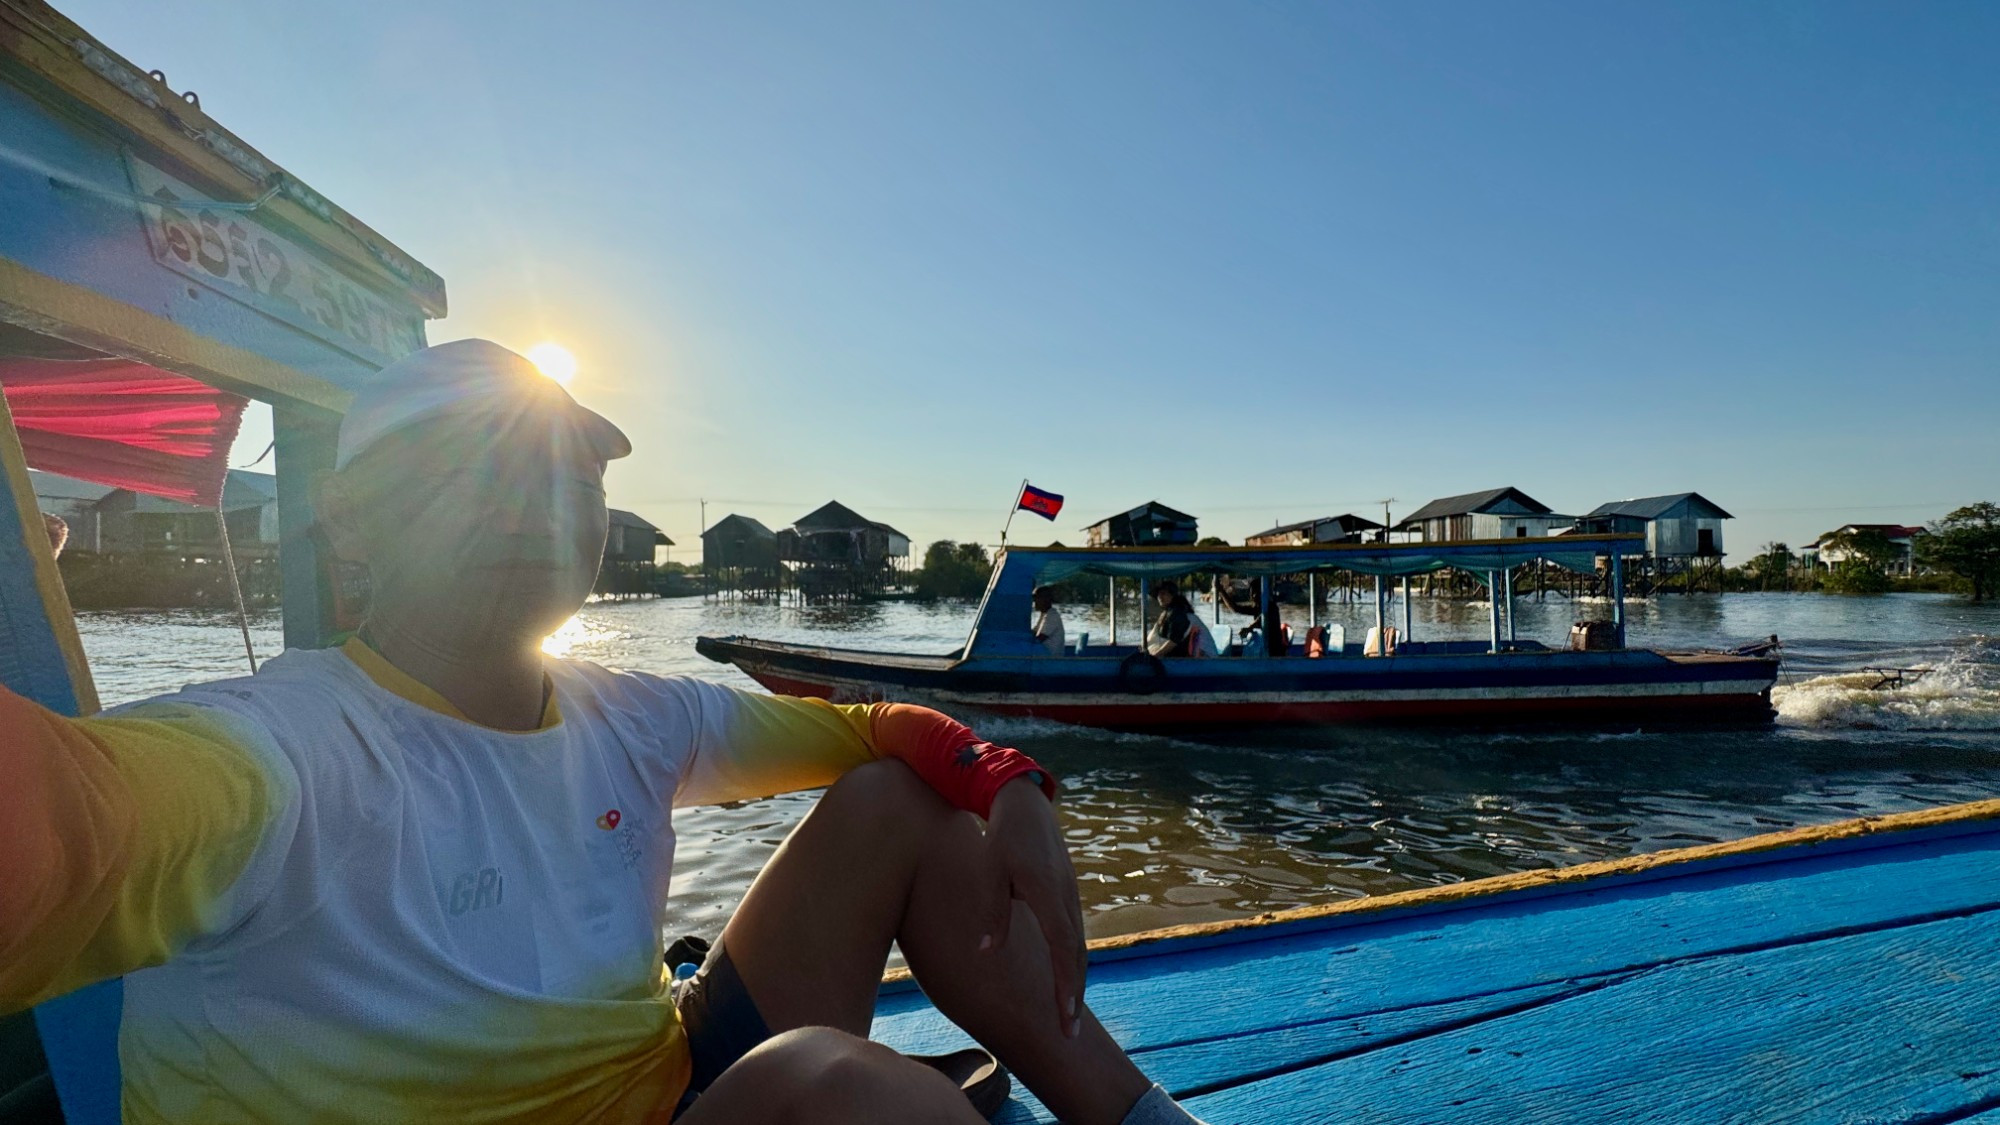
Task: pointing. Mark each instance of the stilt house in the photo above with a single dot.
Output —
(1150, 524)
(1683, 524)
(1497, 513)
(1348, 528)
(739, 555)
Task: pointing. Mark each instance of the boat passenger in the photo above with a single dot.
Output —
(58, 532)
(1048, 620)
(1171, 634)
(422, 876)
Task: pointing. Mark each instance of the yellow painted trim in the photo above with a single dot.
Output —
(1456, 893)
(1580, 873)
(48, 579)
(53, 307)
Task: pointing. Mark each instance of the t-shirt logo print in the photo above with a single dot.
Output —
(609, 820)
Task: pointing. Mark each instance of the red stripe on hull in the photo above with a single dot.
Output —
(1676, 708)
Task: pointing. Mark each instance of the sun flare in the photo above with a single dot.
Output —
(554, 360)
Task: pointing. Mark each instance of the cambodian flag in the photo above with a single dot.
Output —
(1043, 504)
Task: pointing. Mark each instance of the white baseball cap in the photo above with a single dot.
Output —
(464, 378)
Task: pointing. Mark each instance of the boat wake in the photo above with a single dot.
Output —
(1960, 692)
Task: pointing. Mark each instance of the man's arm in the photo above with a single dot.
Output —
(122, 837)
(753, 745)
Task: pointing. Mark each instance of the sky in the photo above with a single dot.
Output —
(1262, 262)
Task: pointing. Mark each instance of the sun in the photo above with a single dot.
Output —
(554, 360)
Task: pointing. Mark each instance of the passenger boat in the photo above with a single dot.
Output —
(1003, 669)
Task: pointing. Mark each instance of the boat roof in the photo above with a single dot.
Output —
(40, 39)
(1387, 559)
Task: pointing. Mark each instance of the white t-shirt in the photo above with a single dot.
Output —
(442, 921)
(1049, 627)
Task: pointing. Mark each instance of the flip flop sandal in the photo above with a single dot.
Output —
(977, 1072)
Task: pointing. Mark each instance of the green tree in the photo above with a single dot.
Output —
(1865, 567)
(1774, 564)
(1966, 543)
(953, 570)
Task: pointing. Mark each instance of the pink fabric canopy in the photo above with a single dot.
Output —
(123, 424)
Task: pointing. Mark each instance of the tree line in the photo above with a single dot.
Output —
(1960, 552)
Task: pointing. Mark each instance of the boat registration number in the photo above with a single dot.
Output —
(241, 258)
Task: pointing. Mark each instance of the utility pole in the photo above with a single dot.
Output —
(705, 583)
(1385, 517)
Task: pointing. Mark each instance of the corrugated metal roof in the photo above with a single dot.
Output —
(746, 524)
(1472, 502)
(1653, 507)
(55, 486)
(241, 489)
(1348, 522)
(622, 518)
(1153, 506)
(832, 516)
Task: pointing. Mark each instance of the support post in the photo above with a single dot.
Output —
(1618, 596)
(1312, 600)
(1380, 614)
(1510, 606)
(1114, 610)
(1493, 600)
(305, 439)
(1406, 610)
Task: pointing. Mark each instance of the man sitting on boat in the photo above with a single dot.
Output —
(1048, 620)
(422, 876)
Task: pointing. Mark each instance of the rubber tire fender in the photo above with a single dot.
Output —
(1146, 683)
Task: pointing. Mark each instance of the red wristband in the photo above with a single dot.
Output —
(965, 770)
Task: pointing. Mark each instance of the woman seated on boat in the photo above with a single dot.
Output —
(422, 876)
(1048, 620)
(1173, 633)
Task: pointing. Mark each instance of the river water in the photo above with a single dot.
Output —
(1167, 831)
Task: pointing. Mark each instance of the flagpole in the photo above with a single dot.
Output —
(1004, 528)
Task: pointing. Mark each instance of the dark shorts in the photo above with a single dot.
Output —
(722, 1022)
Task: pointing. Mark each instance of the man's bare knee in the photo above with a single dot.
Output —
(883, 795)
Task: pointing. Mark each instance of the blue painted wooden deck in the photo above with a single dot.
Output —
(1846, 974)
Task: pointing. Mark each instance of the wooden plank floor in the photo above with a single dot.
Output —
(1841, 975)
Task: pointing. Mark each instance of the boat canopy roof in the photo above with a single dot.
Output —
(1002, 624)
(1053, 564)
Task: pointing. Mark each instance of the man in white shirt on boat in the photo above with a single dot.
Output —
(1048, 620)
(422, 876)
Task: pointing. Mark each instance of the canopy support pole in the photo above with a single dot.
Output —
(1406, 609)
(305, 446)
(235, 585)
(1312, 600)
(1114, 610)
(1382, 638)
(1510, 606)
(1618, 596)
(1493, 601)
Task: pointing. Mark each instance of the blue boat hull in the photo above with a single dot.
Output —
(1843, 973)
(1114, 690)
